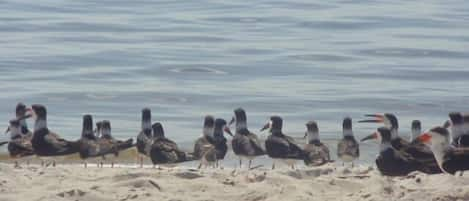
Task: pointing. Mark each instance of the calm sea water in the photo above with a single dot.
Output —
(299, 59)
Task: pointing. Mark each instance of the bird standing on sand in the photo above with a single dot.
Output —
(280, 146)
(145, 137)
(245, 144)
(316, 153)
(164, 150)
(348, 149)
(20, 145)
(46, 143)
(106, 137)
(450, 159)
(90, 146)
(218, 147)
(204, 143)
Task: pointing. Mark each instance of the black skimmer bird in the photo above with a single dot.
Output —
(316, 153)
(20, 136)
(164, 150)
(459, 133)
(245, 144)
(89, 145)
(280, 146)
(419, 153)
(204, 143)
(218, 148)
(145, 137)
(20, 144)
(46, 143)
(391, 162)
(348, 148)
(450, 159)
(106, 137)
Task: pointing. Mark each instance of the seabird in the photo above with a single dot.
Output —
(450, 159)
(107, 137)
(145, 137)
(164, 150)
(245, 144)
(280, 146)
(348, 148)
(46, 143)
(202, 144)
(218, 147)
(458, 131)
(20, 139)
(391, 162)
(420, 153)
(315, 152)
(20, 144)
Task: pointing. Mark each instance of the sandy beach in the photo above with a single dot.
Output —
(330, 182)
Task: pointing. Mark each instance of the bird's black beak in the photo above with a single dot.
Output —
(8, 130)
(232, 121)
(369, 137)
(266, 126)
(306, 134)
(377, 118)
(25, 116)
(227, 130)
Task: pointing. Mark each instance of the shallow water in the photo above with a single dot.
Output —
(299, 59)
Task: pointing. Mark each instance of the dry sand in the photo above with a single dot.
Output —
(73, 182)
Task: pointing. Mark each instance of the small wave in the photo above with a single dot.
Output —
(197, 70)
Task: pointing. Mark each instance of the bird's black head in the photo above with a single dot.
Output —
(456, 118)
(347, 123)
(277, 123)
(158, 129)
(240, 115)
(385, 134)
(209, 121)
(312, 126)
(39, 111)
(416, 125)
(146, 114)
(20, 110)
(392, 120)
(87, 125)
(106, 127)
(220, 127)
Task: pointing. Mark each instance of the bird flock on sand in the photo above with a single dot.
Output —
(441, 149)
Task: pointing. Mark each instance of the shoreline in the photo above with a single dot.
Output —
(329, 182)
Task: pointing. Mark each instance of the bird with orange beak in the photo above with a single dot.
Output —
(450, 159)
(419, 153)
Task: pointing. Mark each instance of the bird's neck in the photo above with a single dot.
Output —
(241, 126)
(457, 131)
(347, 132)
(415, 134)
(40, 124)
(207, 131)
(394, 133)
(312, 136)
